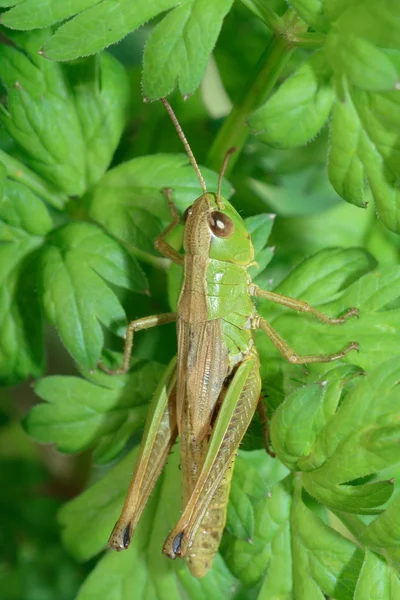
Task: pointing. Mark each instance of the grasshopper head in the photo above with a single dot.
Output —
(216, 230)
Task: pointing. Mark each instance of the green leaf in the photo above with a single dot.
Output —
(129, 202)
(24, 221)
(378, 23)
(180, 46)
(365, 66)
(88, 521)
(100, 87)
(33, 14)
(324, 561)
(75, 264)
(68, 120)
(81, 414)
(377, 580)
(364, 145)
(42, 119)
(293, 551)
(253, 474)
(259, 227)
(367, 420)
(299, 108)
(114, 20)
(312, 11)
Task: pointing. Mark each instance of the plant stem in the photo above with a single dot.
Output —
(234, 132)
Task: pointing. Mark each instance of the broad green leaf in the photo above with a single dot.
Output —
(87, 520)
(367, 419)
(377, 580)
(75, 265)
(142, 571)
(299, 108)
(180, 46)
(24, 221)
(379, 23)
(293, 551)
(319, 280)
(249, 559)
(324, 561)
(130, 204)
(101, 92)
(366, 66)
(254, 474)
(33, 14)
(68, 120)
(80, 414)
(114, 20)
(42, 119)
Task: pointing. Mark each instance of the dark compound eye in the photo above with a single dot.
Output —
(221, 225)
(187, 213)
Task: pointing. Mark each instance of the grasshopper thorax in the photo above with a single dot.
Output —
(214, 229)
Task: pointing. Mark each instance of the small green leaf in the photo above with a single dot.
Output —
(78, 259)
(377, 580)
(180, 46)
(129, 202)
(79, 414)
(299, 108)
(312, 11)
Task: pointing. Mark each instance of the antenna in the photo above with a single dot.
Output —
(222, 173)
(185, 143)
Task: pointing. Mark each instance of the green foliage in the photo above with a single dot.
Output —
(83, 169)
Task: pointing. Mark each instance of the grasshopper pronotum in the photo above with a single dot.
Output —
(212, 390)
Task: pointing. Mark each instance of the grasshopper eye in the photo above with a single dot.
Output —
(221, 225)
(187, 213)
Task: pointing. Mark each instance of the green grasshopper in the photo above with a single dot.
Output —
(211, 390)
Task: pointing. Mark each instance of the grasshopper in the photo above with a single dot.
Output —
(211, 390)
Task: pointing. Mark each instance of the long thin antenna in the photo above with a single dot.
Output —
(185, 143)
(222, 173)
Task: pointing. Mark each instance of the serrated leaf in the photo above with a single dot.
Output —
(324, 561)
(79, 414)
(129, 202)
(114, 20)
(299, 108)
(75, 264)
(101, 92)
(68, 120)
(143, 569)
(33, 14)
(377, 580)
(370, 412)
(42, 119)
(180, 46)
(317, 280)
(24, 221)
